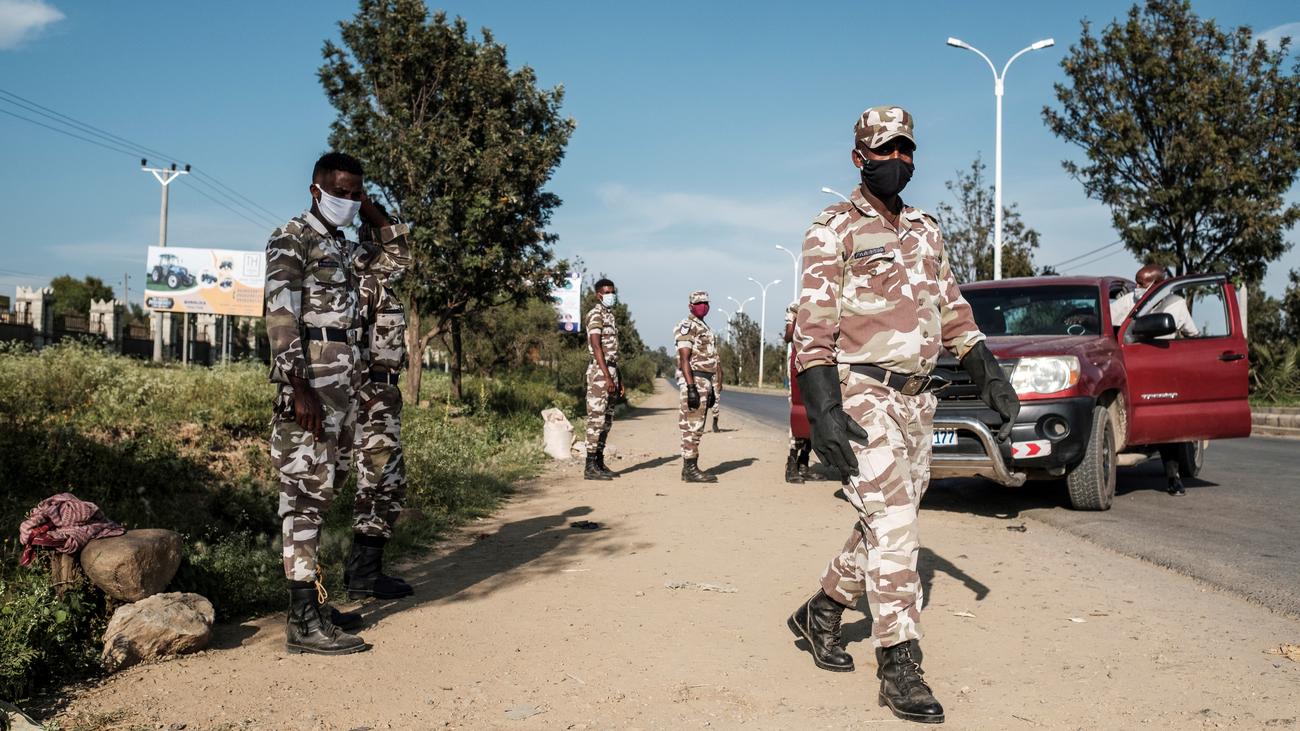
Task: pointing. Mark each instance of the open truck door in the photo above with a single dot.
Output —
(1184, 348)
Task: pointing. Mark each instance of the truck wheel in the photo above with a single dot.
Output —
(155, 276)
(1092, 481)
(1191, 455)
(172, 282)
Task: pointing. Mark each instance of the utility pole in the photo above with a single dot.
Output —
(762, 326)
(164, 176)
(126, 290)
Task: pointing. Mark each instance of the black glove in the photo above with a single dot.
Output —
(832, 429)
(692, 397)
(994, 389)
(713, 398)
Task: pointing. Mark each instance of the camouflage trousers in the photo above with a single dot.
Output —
(691, 421)
(381, 469)
(308, 468)
(600, 417)
(879, 558)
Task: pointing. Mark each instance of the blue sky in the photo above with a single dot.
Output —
(705, 130)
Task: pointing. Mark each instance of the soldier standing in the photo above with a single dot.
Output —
(697, 378)
(716, 411)
(796, 464)
(311, 316)
(603, 382)
(381, 468)
(879, 303)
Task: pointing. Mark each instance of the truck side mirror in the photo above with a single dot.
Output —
(1152, 326)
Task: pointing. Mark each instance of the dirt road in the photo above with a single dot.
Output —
(526, 622)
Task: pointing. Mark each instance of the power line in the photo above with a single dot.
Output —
(1116, 242)
(1090, 262)
(259, 224)
(117, 143)
(262, 218)
(62, 118)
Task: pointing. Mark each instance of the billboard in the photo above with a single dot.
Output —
(568, 304)
(217, 281)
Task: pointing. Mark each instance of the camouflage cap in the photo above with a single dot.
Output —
(699, 296)
(879, 125)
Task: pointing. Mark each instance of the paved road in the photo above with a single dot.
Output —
(1237, 528)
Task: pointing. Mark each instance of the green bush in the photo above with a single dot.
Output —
(45, 639)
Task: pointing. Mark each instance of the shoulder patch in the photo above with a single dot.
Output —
(684, 329)
(830, 212)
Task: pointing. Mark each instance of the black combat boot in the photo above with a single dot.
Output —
(364, 575)
(792, 473)
(902, 687)
(600, 463)
(804, 454)
(593, 471)
(818, 622)
(715, 425)
(691, 472)
(309, 631)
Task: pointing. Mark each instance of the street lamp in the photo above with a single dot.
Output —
(836, 193)
(762, 326)
(797, 273)
(740, 310)
(997, 154)
(740, 306)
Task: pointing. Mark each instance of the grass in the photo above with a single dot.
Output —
(186, 449)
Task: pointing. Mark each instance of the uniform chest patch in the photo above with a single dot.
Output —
(684, 329)
(327, 264)
(868, 252)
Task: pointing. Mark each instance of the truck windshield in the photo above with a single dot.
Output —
(1050, 310)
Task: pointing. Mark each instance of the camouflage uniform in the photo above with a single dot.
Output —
(600, 417)
(381, 469)
(694, 334)
(873, 295)
(311, 321)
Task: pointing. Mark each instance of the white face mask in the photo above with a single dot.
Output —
(608, 300)
(337, 211)
(1139, 293)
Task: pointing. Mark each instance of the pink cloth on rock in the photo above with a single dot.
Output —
(64, 523)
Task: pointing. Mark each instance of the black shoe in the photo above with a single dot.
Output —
(364, 575)
(691, 472)
(804, 471)
(818, 622)
(792, 472)
(902, 688)
(346, 621)
(600, 462)
(1176, 486)
(593, 471)
(715, 425)
(308, 631)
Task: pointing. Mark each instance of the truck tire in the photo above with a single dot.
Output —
(1092, 481)
(172, 282)
(1191, 455)
(155, 276)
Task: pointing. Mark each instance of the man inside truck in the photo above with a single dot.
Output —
(1152, 275)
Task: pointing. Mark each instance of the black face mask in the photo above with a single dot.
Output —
(886, 178)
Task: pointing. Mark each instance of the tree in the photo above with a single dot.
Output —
(462, 147)
(739, 352)
(72, 296)
(968, 230)
(1192, 137)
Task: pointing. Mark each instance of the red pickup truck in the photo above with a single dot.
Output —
(1094, 396)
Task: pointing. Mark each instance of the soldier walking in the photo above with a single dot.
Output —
(879, 303)
(699, 380)
(311, 319)
(796, 463)
(377, 445)
(604, 386)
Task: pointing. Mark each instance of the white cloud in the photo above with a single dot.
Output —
(1273, 36)
(21, 20)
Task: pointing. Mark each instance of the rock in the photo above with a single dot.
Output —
(135, 565)
(13, 719)
(158, 626)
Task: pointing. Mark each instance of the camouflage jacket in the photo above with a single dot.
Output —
(383, 345)
(600, 321)
(878, 296)
(312, 279)
(694, 334)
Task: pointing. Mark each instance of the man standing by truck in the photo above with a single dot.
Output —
(879, 303)
(796, 463)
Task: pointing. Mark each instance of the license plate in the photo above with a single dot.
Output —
(944, 438)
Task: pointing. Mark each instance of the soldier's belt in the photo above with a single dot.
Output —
(907, 385)
(332, 334)
(389, 377)
(704, 374)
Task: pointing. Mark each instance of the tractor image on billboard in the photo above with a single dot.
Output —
(169, 271)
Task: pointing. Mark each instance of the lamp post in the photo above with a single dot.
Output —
(798, 279)
(998, 85)
(165, 176)
(762, 326)
(740, 310)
